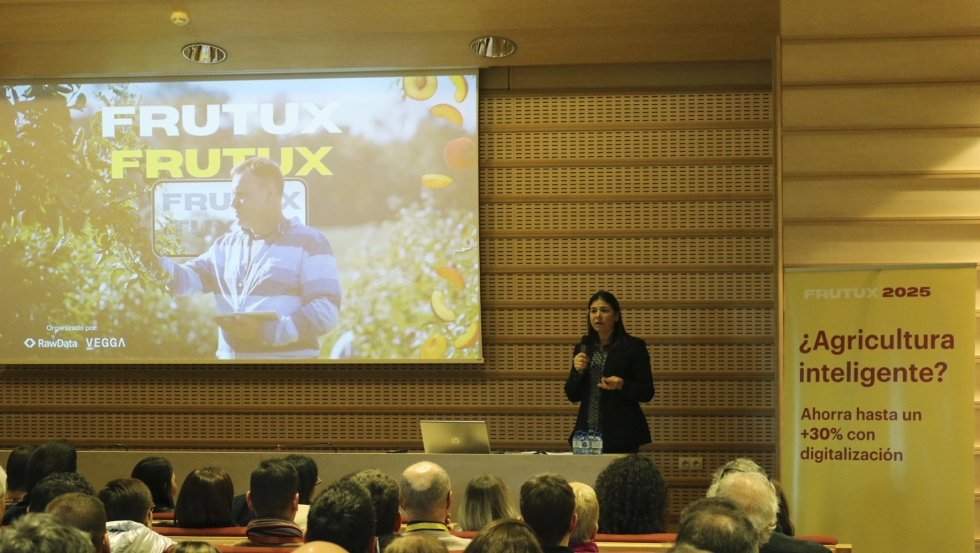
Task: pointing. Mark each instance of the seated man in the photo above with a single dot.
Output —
(55, 485)
(43, 533)
(548, 507)
(50, 458)
(309, 479)
(717, 525)
(274, 496)
(343, 515)
(384, 495)
(753, 492)
(85, 512)
(426, 496)
(17, 473)
(129, 512)
(416, 543)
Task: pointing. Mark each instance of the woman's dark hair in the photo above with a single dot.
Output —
(619, 330)
(205, 500)
(632, 497)
(308, 475)
(157, 473)
(505, 536)
(485, 500)
(17, 468)
(782, 517)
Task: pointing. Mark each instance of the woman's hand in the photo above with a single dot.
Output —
(611, 383)
(581, 362)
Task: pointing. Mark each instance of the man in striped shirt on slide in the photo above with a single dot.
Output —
(275, 281)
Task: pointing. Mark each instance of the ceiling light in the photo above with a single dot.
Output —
(204, 53)
(493, 47)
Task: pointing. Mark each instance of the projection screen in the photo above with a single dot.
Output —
(125, 237)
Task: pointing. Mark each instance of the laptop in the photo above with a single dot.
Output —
(455, 436)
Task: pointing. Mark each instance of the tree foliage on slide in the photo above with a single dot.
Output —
(73, 244)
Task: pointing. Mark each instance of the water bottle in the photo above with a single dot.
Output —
(586, 444)
(577, 438)
(593, 442)
(597, 444)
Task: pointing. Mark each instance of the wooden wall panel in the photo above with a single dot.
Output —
(838, 18)
(880, 106)
(874, 152)
(887, 60)
(668, 200)
(950, 105)
(925, 196)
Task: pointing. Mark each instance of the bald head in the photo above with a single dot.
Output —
(756, 496)
(319, 547)
(425, 492)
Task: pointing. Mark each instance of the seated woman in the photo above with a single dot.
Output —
(632, 497)
(505, 536)
(205, 500)
(158, 475)
(582, 539)
(485, 500)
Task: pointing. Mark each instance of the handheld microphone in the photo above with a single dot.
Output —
(585, 346)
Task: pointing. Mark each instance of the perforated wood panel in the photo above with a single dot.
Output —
(667, 200)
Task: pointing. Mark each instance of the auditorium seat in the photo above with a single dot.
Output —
(635, 538)
(163, 516)
(229, 532)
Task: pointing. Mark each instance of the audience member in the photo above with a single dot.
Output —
(685, 548)
(633, 497)
(43, 533)
(416, 543)
(3, 491)
(383, 490)
(50, 458)
(309, 479)
(194, 547)
(17, 473)
(505, 536)
(274, 496)
(717, 525)
(85, 512)
(426, 496)
(205, 500)
(343, 515)
(158, 475)
(582, 539)
(319, 547)
(741, 464)
(129, 512)
(55, 485)
(753, 492)
(783, 522)
(309, 476)
(548, 507)
(485, 500)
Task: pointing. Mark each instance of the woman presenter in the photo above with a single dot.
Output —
(611, 376)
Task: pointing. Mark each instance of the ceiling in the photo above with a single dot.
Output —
(41, 38)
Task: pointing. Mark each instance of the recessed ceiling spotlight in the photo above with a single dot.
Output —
(493, 47)
(204, 53)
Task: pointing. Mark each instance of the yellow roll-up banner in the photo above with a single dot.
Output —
(877, 409)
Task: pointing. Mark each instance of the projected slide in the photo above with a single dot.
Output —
(288, 219)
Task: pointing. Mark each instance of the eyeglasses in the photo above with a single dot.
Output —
(318, 481)
(730, 470)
